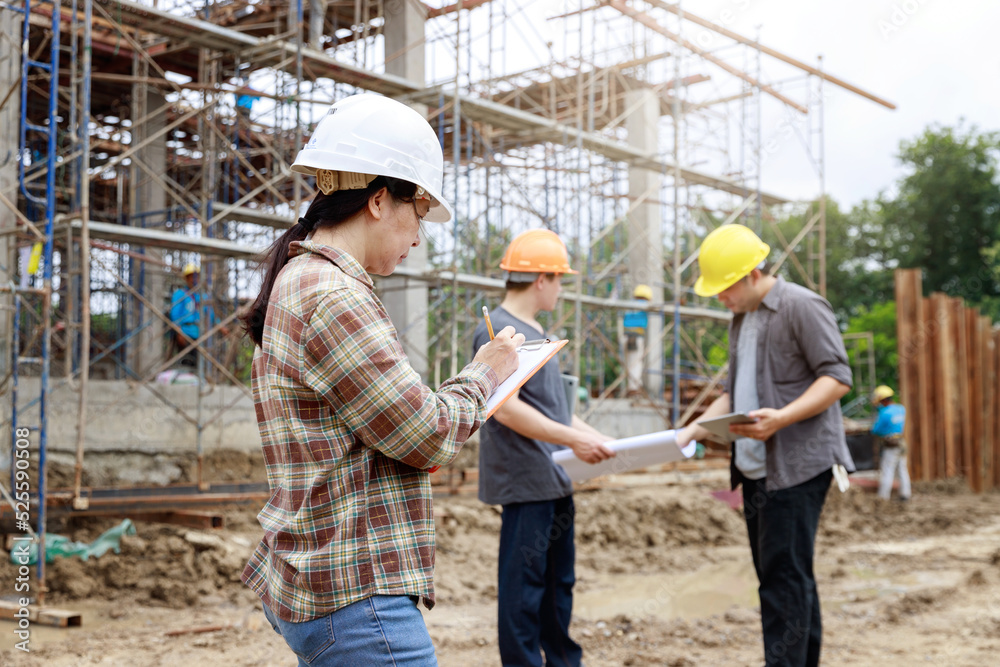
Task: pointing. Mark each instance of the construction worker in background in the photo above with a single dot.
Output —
(536, 561)
(635, 323)
(185, 312)
(788, 370)
(888, 428)
(348, 429)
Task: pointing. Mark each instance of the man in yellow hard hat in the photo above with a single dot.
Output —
(787, 370)
(635, 323)
(536, 560)
(888, 427)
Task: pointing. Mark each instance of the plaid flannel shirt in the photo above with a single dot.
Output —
(347, 430)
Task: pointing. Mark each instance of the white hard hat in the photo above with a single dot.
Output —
(371, 134)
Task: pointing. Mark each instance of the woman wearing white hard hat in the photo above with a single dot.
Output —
(349, 431)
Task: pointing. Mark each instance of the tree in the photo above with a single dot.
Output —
(945, 218)
(880, 320)
(858, 268)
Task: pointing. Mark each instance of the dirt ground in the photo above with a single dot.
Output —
(664, 578)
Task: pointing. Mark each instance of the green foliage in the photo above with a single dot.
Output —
(880, 320)
(858, 266)
(717, 356)
(946, 217)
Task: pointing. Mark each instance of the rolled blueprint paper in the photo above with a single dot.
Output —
(640, 451)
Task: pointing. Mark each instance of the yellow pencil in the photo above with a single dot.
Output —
(489, 325)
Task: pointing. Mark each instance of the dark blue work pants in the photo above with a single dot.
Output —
(536, 584)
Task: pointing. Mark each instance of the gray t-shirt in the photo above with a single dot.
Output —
(512, 468)
(751, 455)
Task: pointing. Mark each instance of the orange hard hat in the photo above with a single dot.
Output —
(536, 251)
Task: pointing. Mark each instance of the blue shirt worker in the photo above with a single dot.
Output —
(536, 561)
(888, 428)
(184, 310)
(635, 323)
(787, 369)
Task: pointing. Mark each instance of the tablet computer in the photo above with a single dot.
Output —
(719, 426)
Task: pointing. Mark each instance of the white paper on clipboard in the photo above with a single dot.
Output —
(530, 358)
(719, 426)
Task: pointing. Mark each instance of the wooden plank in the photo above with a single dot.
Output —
(908, 299)
(56, 618)
(988, 388)
(973, 454)
(995, 394)
(186, 518)
(934, 406)
(946, 399)
(925, 413)
(960, 366)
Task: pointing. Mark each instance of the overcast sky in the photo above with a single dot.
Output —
(937, 61)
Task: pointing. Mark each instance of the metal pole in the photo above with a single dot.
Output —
(50, 212)
(15, 353)
(80, 502)
(757, 149)
(297, 178)
(456, 138)
(676, 112)
(822, 189)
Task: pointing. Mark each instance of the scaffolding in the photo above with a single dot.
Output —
(158, 134)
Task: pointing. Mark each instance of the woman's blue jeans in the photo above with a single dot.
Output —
(377, 631)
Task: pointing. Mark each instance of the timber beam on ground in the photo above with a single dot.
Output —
(56, 618)
(147, 500)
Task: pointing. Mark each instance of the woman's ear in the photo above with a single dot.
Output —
(377, 203)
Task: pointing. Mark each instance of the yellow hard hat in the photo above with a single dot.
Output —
(881, 393)
(536, 251)
(189, 269)
(643, 292)
(726, 255)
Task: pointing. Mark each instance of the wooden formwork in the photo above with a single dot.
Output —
(949, 371)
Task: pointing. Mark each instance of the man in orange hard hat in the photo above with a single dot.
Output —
(787, 370)
(536, 561)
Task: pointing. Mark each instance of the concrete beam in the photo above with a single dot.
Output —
(645, 232)
(406, 300)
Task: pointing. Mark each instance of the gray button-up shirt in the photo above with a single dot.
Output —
(798, 342)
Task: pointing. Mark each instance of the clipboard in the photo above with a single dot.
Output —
(531, 356)
(719, 426)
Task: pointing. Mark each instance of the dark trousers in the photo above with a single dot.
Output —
(536, 584)
(782, 529)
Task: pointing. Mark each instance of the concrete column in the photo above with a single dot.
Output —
(645, 236)
(147, 210)
(406, 300)
(317, 15)
(10, 70)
